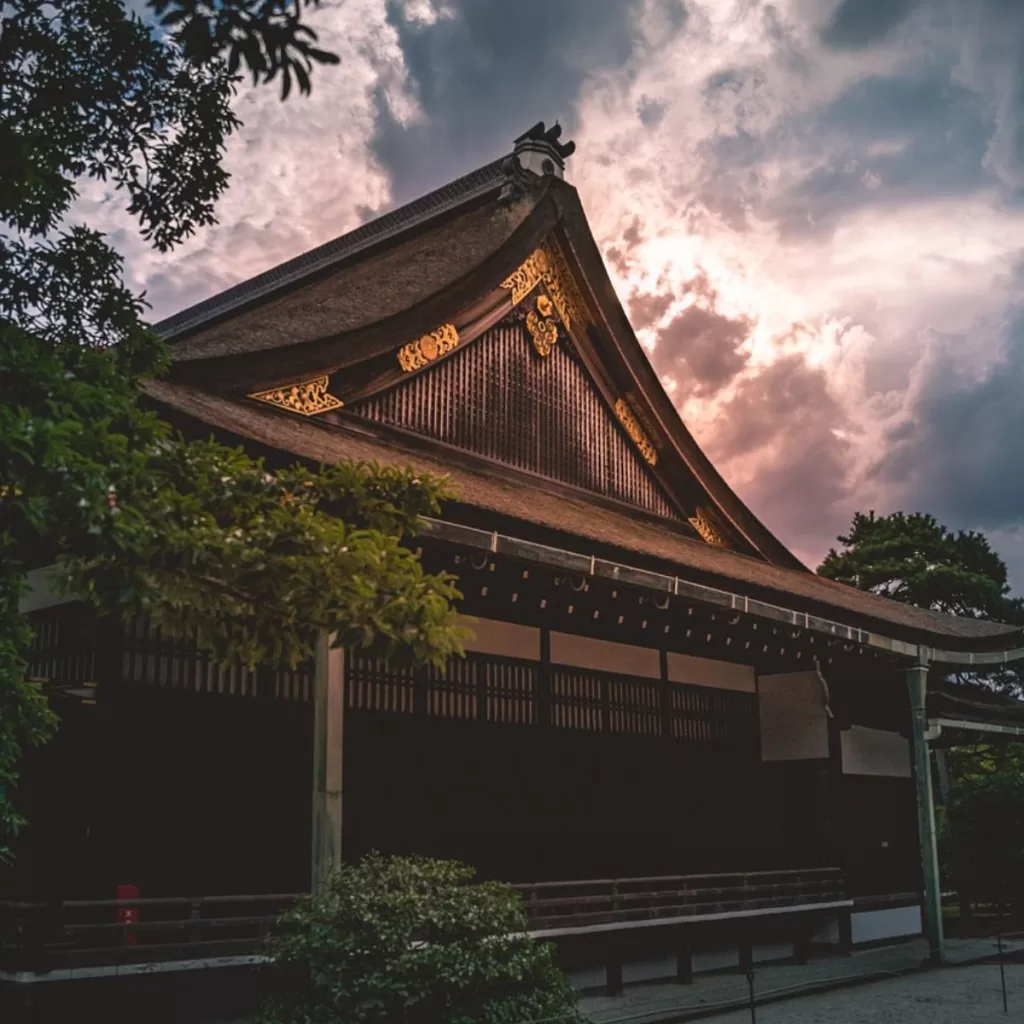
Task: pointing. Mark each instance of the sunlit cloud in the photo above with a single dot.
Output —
(812, 210)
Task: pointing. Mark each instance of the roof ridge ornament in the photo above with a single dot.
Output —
(538, 150)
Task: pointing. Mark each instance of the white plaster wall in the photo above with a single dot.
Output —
(604, 655)
(874, 752)
(41, 594)
(794, 726)
(505, 639)
(889, 923)
(725, 675)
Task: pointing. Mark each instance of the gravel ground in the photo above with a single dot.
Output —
(960, 995)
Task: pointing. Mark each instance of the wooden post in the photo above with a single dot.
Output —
(543, 699)
(845, 932)
(613, 969)
(917, 682)
(665, 697)
(328, 719)
(746, 955)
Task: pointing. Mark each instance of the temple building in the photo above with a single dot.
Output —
(657, 689)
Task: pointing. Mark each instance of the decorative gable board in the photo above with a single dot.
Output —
(498, 398)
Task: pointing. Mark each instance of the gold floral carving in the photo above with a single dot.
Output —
(702, 525)
(526, 277)
(428, 348)
(562, 288)
(546, 265)
(635, 431)
(310, 398)
(542, 328)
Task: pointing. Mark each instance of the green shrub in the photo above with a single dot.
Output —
(984, 836)
(407, 940)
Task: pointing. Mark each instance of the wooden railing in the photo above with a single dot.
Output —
(603, 904)
(78, 934)
(83, 933)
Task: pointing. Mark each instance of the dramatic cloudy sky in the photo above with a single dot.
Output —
(813, 210)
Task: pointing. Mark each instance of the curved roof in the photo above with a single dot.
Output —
(518, 498)
(342, 311)
(457, 194)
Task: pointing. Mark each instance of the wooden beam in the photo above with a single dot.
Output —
(328, 721)
(917, 682)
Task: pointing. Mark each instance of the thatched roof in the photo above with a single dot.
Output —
(457, 195)
(576, 518)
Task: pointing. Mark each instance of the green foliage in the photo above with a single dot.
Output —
(914, 559)
(195, 534)
(983, 841)
(87, 90)
(268, 36)
(413, 941)
(253, 565)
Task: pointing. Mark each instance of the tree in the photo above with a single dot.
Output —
(268, 36)
(914, 559)
(406, 940)
(198, 536)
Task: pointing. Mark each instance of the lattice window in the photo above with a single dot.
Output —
(497, 398)
(64, 644)
(507, 691)
(67, 646)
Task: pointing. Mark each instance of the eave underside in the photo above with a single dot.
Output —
(485, 491)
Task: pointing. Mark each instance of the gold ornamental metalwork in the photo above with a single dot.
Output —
(702, 524)
(632, 425)
(542, 328)
(546, 265)
(431, 346)
(309, 398)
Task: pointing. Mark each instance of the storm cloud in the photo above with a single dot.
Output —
(813, 211)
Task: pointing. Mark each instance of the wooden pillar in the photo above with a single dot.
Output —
(845, 932)
(917, 682)
(746, 955)
(665, 697)
(328, 720)
(613, 964)
(543, 703)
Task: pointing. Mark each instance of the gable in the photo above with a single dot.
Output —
(524, 399)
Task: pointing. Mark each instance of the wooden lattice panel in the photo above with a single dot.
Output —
(497, 398)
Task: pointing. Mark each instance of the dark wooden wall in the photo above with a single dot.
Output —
(498, 398)
(180, 778)
(876, 815)
(185, 779)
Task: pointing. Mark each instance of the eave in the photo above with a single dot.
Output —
(591, 537)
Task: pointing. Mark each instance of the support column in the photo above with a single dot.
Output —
(917, 683)
(328, 720)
